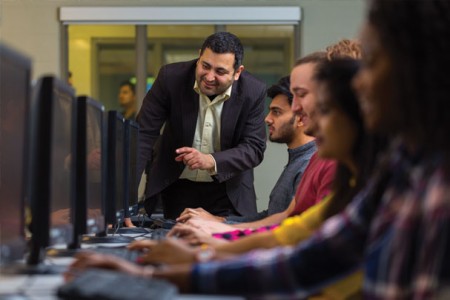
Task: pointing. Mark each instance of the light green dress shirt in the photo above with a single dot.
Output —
(207, 132)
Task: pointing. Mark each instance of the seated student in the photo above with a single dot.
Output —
(397, 226)
(341, 136)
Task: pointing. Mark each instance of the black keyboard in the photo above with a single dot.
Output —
(128, 230)
(122, 252)
(163, 223)
(159, 234)
(103, 284)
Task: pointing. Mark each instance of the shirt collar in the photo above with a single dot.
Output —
(225, 95)
(310, 146)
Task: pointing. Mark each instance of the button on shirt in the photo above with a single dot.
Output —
(207, 131)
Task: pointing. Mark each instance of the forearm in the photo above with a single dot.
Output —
(297, 272)
(270, 220)
(180, 275)
(256, 241)
(335, 250)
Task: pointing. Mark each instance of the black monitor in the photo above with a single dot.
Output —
(115, 197)
(113, 181)
(15, 70)
(131, 182)
(52, 159)
(90, 170)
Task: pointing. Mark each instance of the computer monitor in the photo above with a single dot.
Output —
(115, 197)
(130, 161)
(52, 160)
(90, 170)
(112, 157)
(15, 73)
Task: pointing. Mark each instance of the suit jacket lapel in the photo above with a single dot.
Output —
(189, 113)
(230, 114)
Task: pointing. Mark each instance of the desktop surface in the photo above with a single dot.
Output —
(38, 287)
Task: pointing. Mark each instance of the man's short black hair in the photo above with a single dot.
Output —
(130, 84)
(225, 42)
(282, 87)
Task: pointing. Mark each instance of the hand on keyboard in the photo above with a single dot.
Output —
(102, 284)
(168, 251)
(88, 260)
(130, 255)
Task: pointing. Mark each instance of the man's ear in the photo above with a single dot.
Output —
(238, 72)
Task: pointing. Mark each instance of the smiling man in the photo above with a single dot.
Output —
(213, 136)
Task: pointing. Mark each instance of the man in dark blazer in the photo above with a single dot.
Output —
(214, 133)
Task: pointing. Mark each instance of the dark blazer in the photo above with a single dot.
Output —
(173, 101)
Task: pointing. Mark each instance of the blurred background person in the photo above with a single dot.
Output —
(127, 100)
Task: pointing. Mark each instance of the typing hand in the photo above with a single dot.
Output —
(194, 159)
(168, 251)
(193, 235)
(142, 245)
(127, 222)
(88, 260)
(209, 226)
(199, 213)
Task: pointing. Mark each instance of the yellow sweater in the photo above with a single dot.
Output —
(298, 228)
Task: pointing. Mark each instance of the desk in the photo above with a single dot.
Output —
(40, 287)
(44, 287)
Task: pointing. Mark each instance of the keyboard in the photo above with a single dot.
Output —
(122, 252)
(107, 239)
(163, 223)
(159, 234)
(128, 230)
(103, 284)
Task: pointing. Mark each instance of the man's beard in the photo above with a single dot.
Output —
(287, 133)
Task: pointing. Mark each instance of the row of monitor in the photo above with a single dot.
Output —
(62, 159)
